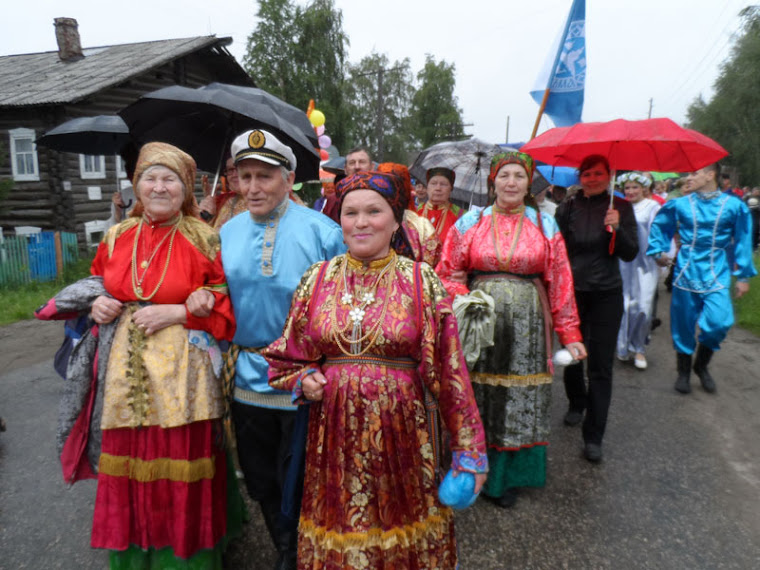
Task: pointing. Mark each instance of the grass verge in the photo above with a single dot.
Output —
(748, 307)
(20, 301)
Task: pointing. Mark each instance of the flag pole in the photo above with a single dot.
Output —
(540, 112)
(553, 71)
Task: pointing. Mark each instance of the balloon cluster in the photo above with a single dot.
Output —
(317, 120)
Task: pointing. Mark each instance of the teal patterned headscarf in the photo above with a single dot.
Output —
(513, 157)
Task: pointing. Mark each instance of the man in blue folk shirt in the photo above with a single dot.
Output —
(265, 251)
(715, 232)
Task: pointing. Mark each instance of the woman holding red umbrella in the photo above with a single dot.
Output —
(597, 237)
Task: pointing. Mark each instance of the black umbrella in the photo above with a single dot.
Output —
(204, 121)
(98, 135)
(335, 165)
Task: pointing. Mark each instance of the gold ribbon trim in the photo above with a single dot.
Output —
(509, 380)
(434, 527)
(149, 470)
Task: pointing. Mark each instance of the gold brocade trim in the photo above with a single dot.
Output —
(375, 265)
(511, 379)
(434, 527)
(220, 288)
(138, 395)
(516, 210)
(201, 236)
(115, 231)
(198, 233)
(160, 380)
(421, 224)
(147, 471)
(432, 285)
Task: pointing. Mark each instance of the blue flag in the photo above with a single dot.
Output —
(565, 71)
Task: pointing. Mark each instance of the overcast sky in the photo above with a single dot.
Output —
(669, 51)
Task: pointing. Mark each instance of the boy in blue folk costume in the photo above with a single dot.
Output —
(715, 233)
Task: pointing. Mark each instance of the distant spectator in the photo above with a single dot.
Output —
(725, 186)
(558, 193)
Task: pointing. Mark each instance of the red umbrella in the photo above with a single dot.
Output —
(651, 144)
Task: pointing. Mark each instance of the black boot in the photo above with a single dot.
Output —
(284, 535)
(287, 544)
(704, 355)
(684, 372)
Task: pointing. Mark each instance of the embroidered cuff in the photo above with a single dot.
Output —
(297, 396)
(566, 337)
(472, 461)
(220, 288)
(453, 288)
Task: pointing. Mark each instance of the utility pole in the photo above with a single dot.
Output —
(650, 108)
(506, 135)
(380, 112)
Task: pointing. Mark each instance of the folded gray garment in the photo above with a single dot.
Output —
(475, 319)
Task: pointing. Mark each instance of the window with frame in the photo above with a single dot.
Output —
(24, 163)
(92, 166)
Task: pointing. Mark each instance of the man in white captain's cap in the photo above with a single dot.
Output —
(265, 251)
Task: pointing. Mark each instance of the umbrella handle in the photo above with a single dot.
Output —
(612, 203)
(221, 158)
(612, 188)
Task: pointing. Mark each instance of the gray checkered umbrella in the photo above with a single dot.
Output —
(470, 160)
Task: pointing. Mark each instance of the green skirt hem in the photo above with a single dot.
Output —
(507, 469)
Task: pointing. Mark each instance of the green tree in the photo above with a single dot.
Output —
(732, 116)
(299, 54)
(380, 95)
(271, 48)
(435, 113)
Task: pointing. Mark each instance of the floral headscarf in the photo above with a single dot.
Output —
(513, 157)
(385, 184)
(389, 186)
(163, 154)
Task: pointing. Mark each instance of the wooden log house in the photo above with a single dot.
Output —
(63, 191)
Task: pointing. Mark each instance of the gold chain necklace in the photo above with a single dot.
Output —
(440, 223)
(504, 264)
(137, 282)
(357, 313)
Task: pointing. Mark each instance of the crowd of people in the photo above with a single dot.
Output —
(349, 356)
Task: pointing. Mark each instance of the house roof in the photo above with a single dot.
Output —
(43, 79)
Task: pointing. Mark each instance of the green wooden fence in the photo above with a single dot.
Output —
(36, 257)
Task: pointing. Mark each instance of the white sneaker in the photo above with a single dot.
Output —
(640, 362)
(623, 357)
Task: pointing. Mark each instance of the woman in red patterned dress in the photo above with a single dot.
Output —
(369, 333)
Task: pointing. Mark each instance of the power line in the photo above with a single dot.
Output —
(693, 73)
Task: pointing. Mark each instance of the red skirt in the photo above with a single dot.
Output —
(161, 487)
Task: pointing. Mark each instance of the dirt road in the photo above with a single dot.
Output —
(679, 486)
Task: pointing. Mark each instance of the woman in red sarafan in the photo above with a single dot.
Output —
(517, 256)
(438, 209)
(368, 333)
(162, 475)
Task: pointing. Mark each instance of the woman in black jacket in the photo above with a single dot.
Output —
(596, 237)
